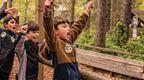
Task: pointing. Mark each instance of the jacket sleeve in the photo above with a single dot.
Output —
(42, 57)
(78, 26)
(2, 13)
(49, 30)
(19, 48)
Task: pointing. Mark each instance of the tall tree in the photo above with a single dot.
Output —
(72, 10)
(26, 9)
(126, 13)
(113, 14)
(102, 22)
(108, 15)
(133, 3)
(88, 21)
(10, 3)
(39, 20)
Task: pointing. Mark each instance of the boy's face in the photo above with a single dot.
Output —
(11, 25)
(33, 36)
(63, 31)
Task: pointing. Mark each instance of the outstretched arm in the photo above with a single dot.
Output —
(80, 23)
(42, 57)
(2, 13)
(10, 11)
(48, 25)
(4, 4)
(2, 9)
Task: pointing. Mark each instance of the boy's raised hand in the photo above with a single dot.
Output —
(48, 4)
(89, 6)
(11, 11)
(4, 1)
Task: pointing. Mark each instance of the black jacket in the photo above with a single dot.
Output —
(7, 45)
(32, 60)
(2, 13)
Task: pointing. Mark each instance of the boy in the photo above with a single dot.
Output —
(27, 51)
(60, 38)
(7, 45)
(31, 49)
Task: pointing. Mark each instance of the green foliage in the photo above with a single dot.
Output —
(26, 9)
(139, 4)
(1, 25)
(86, 38)
(120, 35)
(110, 38)
(135, 46)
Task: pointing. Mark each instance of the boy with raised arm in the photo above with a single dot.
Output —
(60, 38)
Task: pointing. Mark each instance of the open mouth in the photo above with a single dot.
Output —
(14, 27)
(68, 35)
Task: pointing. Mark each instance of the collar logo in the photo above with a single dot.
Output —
(68, 48)
(12, 39)
(3, 34)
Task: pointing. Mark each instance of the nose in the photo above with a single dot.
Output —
(15, 25)
(69, 29)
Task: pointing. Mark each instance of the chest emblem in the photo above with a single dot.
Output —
(68, 48)
(3, 34)
(12, 39)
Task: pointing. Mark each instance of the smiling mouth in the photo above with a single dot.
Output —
(35, 38)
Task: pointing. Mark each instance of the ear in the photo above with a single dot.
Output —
(5, 25)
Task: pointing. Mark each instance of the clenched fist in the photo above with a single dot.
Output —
(49, 4)
(89, 6)
(11, 11)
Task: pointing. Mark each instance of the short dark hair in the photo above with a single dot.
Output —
(25, 24)
(59, 20)
(32, 26)
(8, 18)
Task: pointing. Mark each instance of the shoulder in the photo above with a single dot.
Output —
(1, 29)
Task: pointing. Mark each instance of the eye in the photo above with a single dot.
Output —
(37, 32)
(64, 26)
(12, 22)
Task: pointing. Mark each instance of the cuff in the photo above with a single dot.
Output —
(86, 13)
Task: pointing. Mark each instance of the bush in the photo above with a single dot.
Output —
(120, 35)
(135, 46)
(86, 38)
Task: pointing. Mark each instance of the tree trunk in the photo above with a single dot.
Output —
(88, 21)
(108, 15)
(102, 22)
(113, 14)
(126, 14)
(133, 3)
(10, 3)
(39, 20)
(72, 10)
(26, 9)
